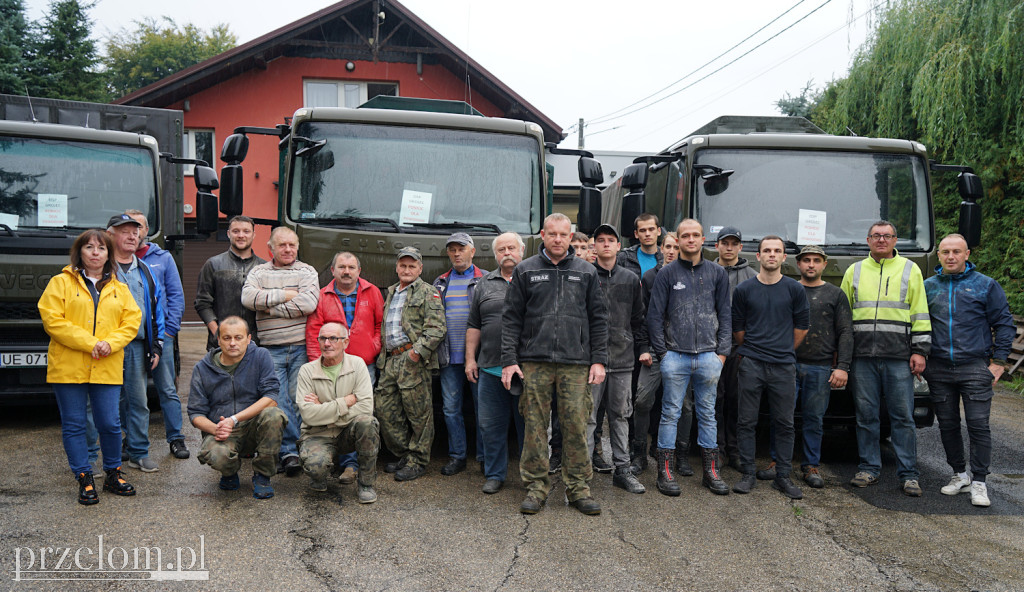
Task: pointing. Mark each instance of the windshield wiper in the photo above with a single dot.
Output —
(353, 220)
(454, 225)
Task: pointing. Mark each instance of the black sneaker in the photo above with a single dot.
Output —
(745, 484)
(555, 462)
(600, 464)
(766, 474)
(410, 472)
(87, 490)
(393, 467)
(454, 466)
(179, 450)
(116, 484)
(787, 487)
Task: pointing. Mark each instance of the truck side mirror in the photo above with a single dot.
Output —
(205, 178)
(589, 216)
(969, 186)
(236, 146)
(231, 190)
(206, 212)
(634, 178)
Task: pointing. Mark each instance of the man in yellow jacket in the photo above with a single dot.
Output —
(891, 338)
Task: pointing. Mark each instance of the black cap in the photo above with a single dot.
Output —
(122, 219)
(606, 229)
(728, 231)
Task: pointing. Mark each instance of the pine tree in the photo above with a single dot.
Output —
(14, 54)
(67, 56)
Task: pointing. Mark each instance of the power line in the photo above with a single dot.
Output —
(706, 64)
(710, 74)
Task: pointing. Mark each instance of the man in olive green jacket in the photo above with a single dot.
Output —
(335, 401)
(414, 326)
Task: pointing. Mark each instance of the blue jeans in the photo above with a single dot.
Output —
(453, 384)
(497, 406)
(813, 392)
(350, 459)
(677, 372)
(170, 404)
(287, 361)
(71, 401)
(873, 379)
(134, 406)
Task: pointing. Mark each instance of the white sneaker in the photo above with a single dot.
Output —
(979, 494)
(956, 485)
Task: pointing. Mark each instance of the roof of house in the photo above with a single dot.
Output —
(340, 32)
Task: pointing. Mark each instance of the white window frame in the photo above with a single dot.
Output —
(340, 85)
(189, 145)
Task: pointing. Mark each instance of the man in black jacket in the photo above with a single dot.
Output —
(644, 255)
(555, 334)
(219, 293)
(621, 289)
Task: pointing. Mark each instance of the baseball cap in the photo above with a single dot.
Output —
(728, 231)
(410, 252)
(811, 250)
(606, 229)
(460, 237)
(121, 220)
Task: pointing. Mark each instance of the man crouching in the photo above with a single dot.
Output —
(335, 401)
(233, 401)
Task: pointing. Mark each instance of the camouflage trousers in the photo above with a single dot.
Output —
(319, 454)
(575, 406)
(403, 404)
(261, 434)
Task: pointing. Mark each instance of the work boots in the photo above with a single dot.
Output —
(625, 479)
(667, 484)
(712, 480)
(683, 468)
(638, 460)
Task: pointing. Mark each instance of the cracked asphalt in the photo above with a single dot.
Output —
(442, 533)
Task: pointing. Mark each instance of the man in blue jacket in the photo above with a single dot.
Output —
(233, 401)
(972, 332)
(165, 272)
(689, 326)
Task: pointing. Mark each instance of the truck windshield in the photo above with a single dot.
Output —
(59, 184)
(819, 197)
(416, 179)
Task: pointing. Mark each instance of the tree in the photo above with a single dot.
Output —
(155, 50)
(66, 59)
(14, 49)
(799, 106)
(950, 75)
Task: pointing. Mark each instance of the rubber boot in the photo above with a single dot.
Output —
(712, 480)
(667, 483)
(638, 460)
(683, 468)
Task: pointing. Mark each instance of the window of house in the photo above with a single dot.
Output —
(325, 93)
(198, 144)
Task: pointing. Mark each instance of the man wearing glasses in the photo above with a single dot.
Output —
(335, 401)
(891, 338)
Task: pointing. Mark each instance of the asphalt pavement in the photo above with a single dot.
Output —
(443, 533)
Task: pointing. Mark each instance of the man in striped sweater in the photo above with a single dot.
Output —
(283, 292)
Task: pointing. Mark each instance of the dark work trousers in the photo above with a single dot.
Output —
(778, 383)
(726, 406)
(970, 382)
(556, 428)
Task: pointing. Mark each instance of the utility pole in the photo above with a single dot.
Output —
(581, 134)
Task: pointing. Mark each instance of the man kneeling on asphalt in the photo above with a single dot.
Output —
(233, 401)
(335, 400)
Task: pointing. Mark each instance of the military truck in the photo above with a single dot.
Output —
(804, 185)
(67, 166)
(374, 180)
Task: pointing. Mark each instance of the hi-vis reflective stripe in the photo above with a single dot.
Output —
(882, 304)
(905, 281)
(923, 338)
(856, 279)
(921, 316)
(881, 328)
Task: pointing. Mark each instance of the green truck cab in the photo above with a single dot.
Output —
(58, 179)
(803, 185)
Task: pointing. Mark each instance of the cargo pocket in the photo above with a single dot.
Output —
(410, 373)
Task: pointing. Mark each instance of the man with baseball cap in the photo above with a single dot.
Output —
(456, 289)
(413, 329)
(822, 359)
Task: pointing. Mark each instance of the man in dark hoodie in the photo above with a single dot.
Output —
(729, 246)
(645, 254)
(233, 401)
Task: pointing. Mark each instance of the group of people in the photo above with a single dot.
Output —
(308, 379)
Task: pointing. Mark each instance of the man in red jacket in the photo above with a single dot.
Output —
(358, 305)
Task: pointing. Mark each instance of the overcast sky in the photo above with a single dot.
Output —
(593, 59)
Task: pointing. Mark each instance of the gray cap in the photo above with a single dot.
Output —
(460, 237)
(410, 252)
(606, 229)
(728, 231)
(121, 220)
(812, 250)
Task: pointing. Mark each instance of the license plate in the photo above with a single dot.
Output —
(23, 360)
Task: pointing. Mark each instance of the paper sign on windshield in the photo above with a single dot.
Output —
(811, 228)
(415, 204)
(9, 220)
(53, 209)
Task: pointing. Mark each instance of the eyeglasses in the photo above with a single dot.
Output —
(876, 237)
(331, 338)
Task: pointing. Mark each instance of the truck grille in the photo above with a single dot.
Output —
(19, 311)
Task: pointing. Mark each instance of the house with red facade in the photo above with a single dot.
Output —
(340, 56)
